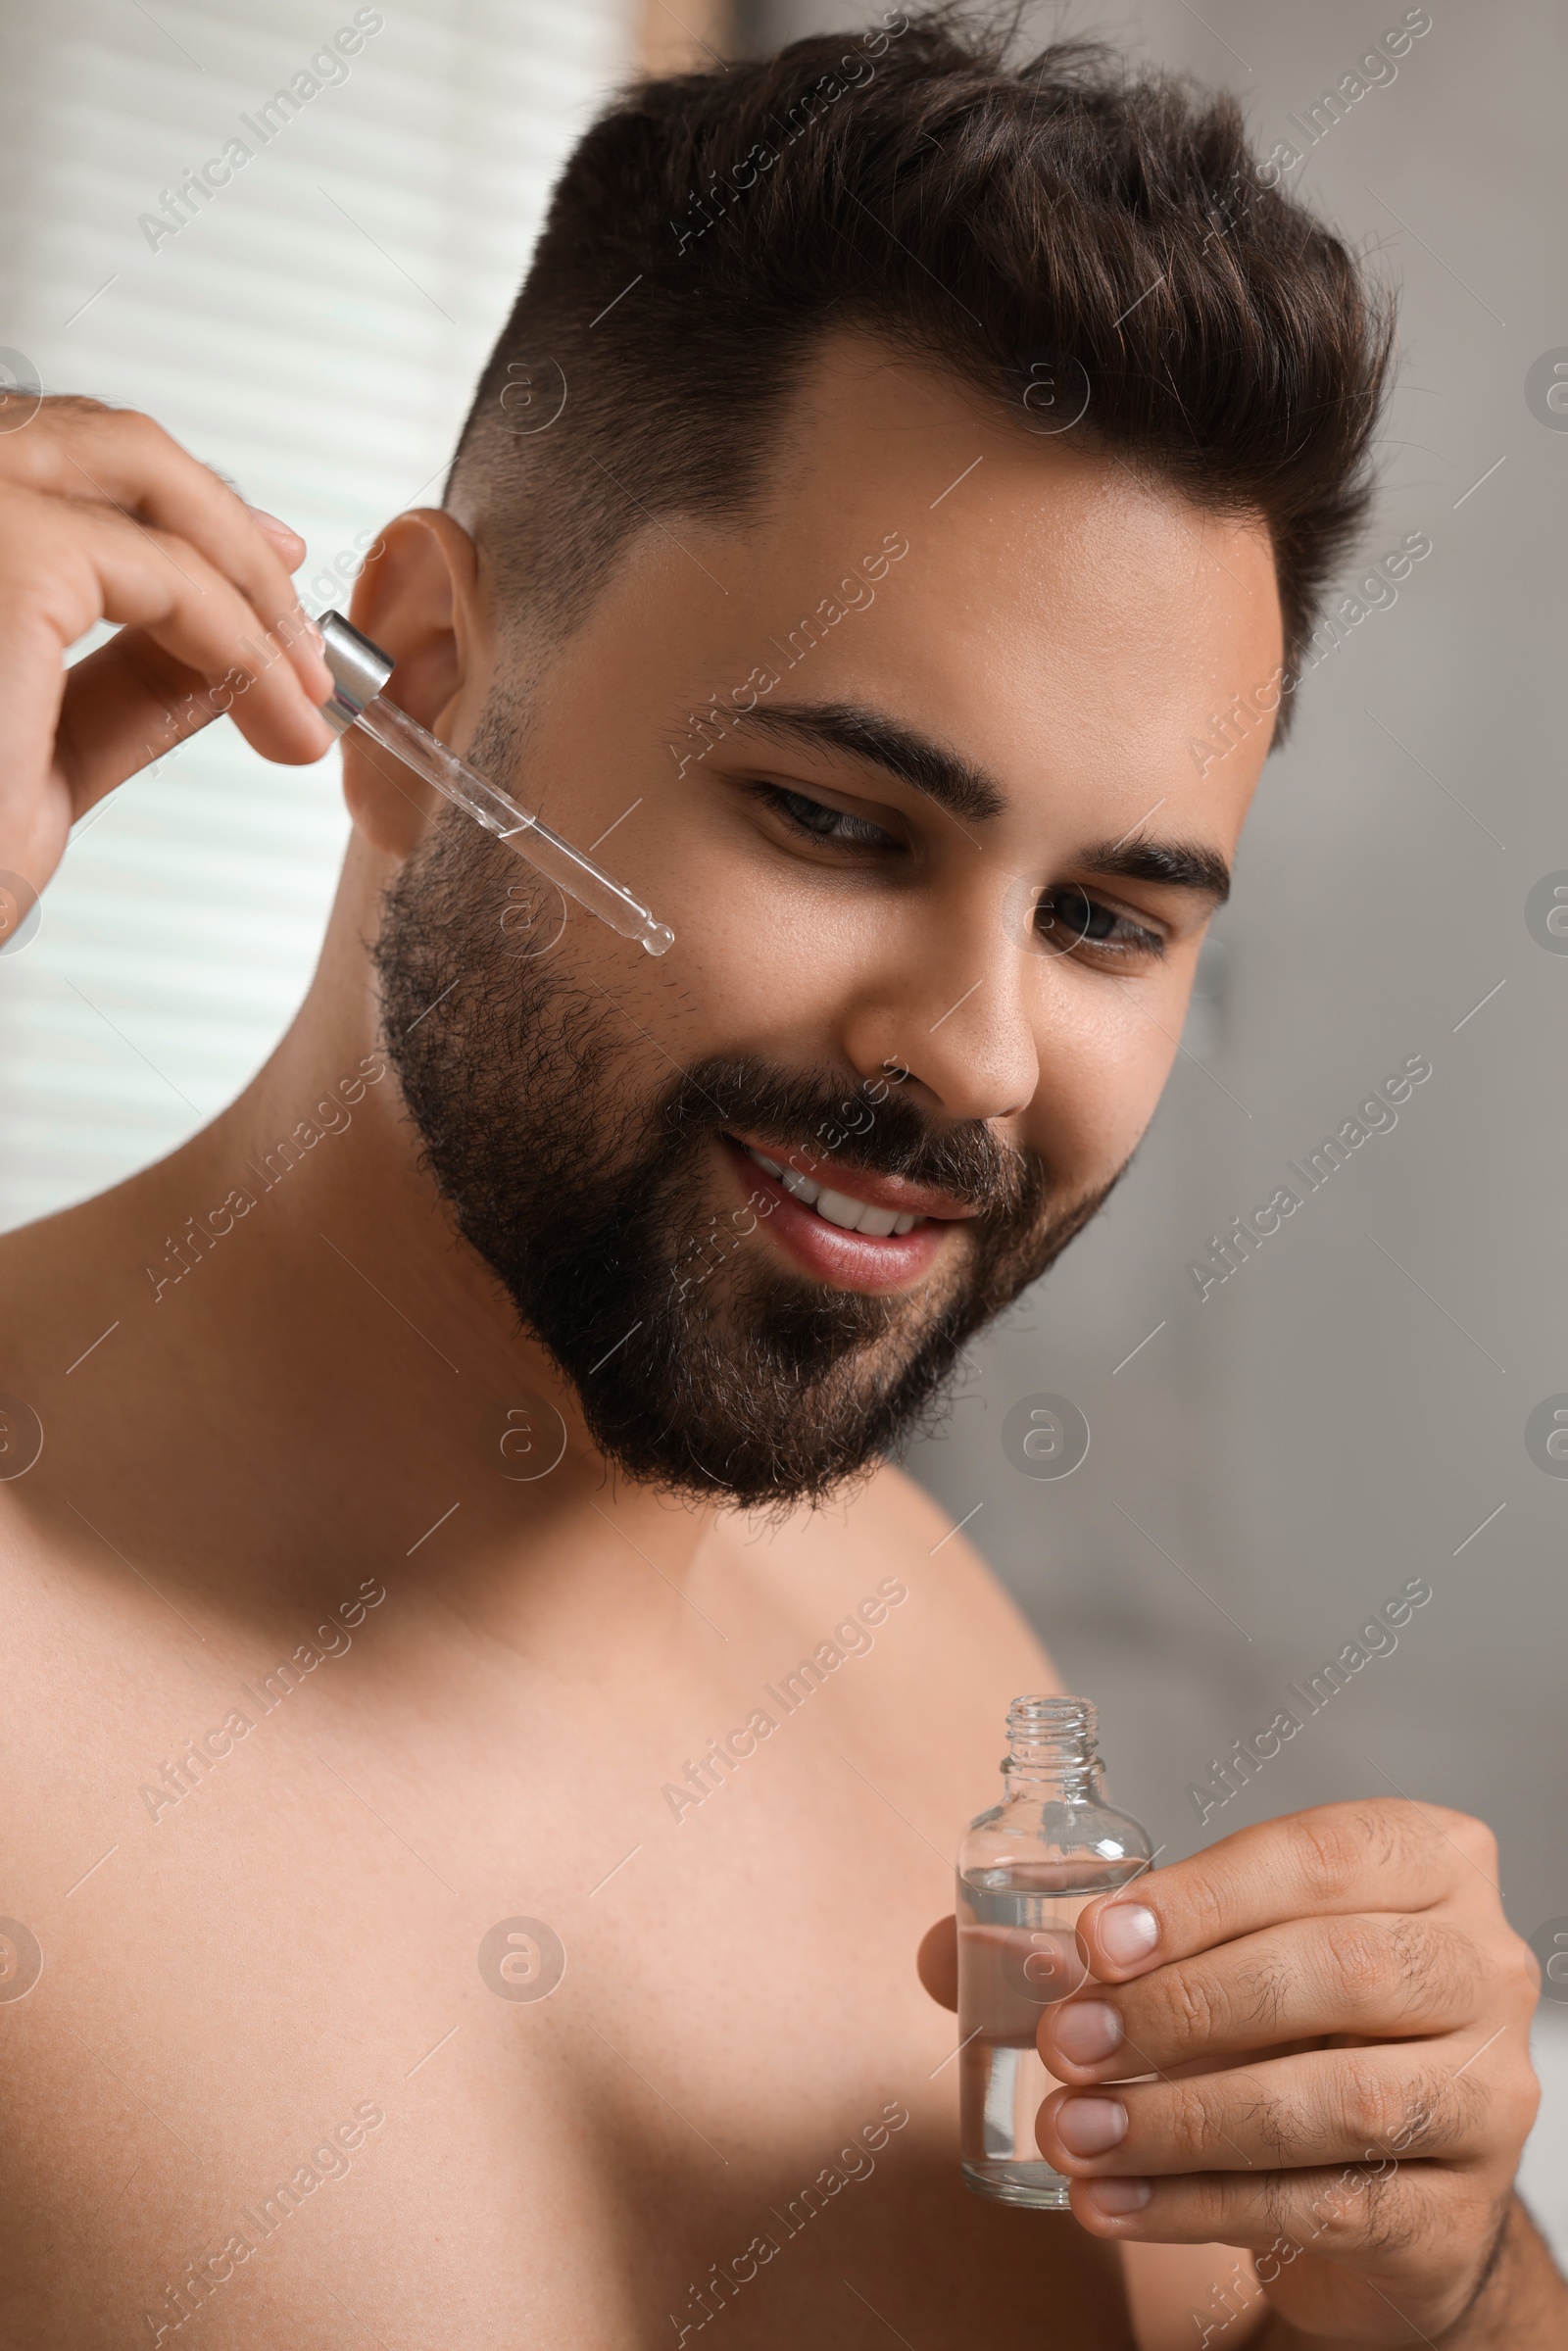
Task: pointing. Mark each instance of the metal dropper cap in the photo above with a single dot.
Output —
(360, 670)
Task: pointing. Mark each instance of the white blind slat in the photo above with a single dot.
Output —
(325, 377)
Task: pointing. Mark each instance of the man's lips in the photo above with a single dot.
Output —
(847, 1260)
(828, 1175)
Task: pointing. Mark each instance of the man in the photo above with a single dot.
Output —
(484, 1725)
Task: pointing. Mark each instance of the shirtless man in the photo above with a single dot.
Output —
(438, 1911)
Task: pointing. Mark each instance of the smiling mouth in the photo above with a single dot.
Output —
(839, 1208)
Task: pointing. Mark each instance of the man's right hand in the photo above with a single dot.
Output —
(104, 518)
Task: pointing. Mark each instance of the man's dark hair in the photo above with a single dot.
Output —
(1038, 228)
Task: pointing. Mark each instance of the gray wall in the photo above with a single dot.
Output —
(1345, 1410)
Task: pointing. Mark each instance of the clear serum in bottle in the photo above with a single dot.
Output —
(1027, 1867)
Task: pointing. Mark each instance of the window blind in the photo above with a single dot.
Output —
(312, 324)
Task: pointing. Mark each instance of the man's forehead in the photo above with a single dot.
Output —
(1044, 610)
(1055, 616)
(1010, 530)
(865, 418)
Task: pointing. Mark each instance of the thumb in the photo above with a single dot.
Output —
(937, 1962)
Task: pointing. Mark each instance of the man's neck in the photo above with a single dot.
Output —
(284, 1298)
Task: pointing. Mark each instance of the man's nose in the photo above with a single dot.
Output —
(957, 1007)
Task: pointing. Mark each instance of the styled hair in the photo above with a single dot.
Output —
(1046, 229)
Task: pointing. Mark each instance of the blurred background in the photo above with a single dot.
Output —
(1268, 1463)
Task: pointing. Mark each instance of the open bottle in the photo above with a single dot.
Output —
(1026, 1868)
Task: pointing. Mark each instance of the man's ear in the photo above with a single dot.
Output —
(414, 597)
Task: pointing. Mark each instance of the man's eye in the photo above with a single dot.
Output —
(1069, 921)
(822, 822)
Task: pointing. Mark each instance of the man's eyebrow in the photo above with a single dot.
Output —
(954, 783)
(966, 790)
(1176, 865)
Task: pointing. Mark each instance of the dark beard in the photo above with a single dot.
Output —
(700, 1361)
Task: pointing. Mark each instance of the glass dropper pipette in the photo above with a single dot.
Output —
(360, 670)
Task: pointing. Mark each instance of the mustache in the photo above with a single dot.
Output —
(814, 1116)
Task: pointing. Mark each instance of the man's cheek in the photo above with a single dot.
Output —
(1112, 1078)
(759, 975)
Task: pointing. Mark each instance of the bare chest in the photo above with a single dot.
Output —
(470, 2033)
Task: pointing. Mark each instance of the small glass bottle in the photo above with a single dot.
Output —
(1026, 1869)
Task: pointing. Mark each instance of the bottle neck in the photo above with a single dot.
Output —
(1051, 1751)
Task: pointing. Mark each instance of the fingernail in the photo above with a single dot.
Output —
(1113, 2197)
(1127, 1932)
(1087, 2031)
(1090, 2126)
(272, 522)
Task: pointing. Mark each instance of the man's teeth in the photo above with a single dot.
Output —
(851, 1215)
